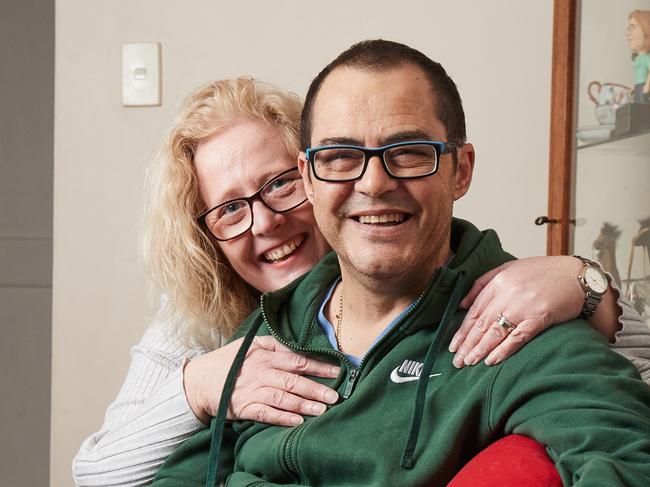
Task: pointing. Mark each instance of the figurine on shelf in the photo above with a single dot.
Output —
(638, 290)
(641, 239)
(638, 36)
(605, 246)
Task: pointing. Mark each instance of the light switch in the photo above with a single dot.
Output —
(141, 74)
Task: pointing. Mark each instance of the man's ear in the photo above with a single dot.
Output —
(303, 167)
(464, 170)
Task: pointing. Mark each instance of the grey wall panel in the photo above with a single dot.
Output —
(26, 167)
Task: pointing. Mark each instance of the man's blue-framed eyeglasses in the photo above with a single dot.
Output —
(402, 160)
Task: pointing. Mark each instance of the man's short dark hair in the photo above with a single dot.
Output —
(382, 55)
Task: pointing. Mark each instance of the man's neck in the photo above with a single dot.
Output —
(370, 303)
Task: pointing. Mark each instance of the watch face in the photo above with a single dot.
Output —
(595, 280)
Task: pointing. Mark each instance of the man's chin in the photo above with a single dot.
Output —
(382, 267)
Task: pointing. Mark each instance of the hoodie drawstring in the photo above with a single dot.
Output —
(218, 423)
(420, 393)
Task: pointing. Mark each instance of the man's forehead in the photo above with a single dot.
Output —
(398, 77)
(387, 105)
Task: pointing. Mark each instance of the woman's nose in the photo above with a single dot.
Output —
(265, 220)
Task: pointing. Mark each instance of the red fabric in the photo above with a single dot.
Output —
(513, 461)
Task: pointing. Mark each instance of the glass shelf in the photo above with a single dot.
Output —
(612, 139)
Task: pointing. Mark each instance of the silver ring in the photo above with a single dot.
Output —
(505, 323)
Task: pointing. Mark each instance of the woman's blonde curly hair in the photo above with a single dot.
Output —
(206, 298)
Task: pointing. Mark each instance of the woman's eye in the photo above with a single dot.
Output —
(231, 208)
(282, 187)
(278, 183)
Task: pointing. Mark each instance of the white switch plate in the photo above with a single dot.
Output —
(141, 74)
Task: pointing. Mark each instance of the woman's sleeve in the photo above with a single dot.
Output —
(633, 339)
(148, 420)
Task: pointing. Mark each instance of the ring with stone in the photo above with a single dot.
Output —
(505, 323)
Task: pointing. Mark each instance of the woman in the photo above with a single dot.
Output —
(233, 139)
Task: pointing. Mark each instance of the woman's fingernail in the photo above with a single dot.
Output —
(334, 370)
(318, 408)
(296, 420)
(458, 361)
(471, 359)
(331, 397)
(453, 345)
(493, 360)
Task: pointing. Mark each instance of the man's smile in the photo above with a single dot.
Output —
(384, 220)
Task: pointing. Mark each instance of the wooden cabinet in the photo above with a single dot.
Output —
(599, 179)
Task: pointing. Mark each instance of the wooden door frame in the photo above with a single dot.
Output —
(561, 180)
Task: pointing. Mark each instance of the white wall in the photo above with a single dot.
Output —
(499, 53)
(26, 161)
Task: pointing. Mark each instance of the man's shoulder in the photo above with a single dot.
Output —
(576, 328)
(570, 348)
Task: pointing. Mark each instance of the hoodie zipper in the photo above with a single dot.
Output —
(352, 378)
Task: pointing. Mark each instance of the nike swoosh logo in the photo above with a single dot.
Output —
(399, 379)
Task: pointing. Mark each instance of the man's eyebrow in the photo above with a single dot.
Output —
(405, 137)
(338, 141)
(391, 139)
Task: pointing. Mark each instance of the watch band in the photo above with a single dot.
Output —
(592, 301)
(592, 298)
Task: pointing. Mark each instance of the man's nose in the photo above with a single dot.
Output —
(265, 220)
(375, 181)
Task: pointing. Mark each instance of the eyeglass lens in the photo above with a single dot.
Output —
(235, 217)
(402, 161)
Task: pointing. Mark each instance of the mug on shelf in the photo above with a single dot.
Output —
(608, 97)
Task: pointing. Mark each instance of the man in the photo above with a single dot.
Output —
(385, 158)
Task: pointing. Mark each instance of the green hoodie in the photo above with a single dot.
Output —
(409, 417)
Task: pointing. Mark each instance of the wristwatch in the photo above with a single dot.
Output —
(594, 282)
